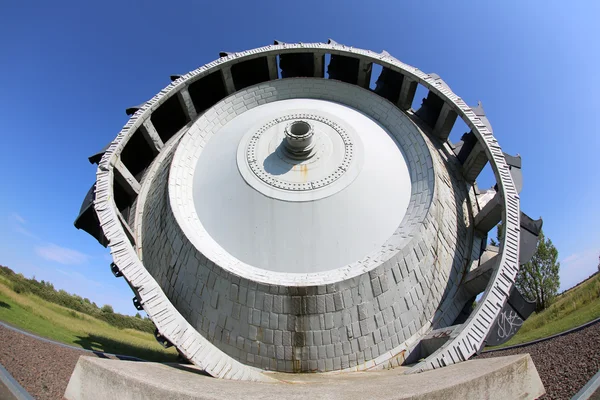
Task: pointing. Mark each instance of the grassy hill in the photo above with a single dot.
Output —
(110, 332)
(36, 315)
(574, 307)
(46, 291)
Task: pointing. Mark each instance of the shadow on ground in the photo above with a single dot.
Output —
(4, 305)
(99, 344)
(189, 368)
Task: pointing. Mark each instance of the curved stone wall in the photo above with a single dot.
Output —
(355, 319)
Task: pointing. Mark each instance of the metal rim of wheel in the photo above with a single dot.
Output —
(466, 339)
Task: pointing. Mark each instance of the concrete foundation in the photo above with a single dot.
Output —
(513, 377)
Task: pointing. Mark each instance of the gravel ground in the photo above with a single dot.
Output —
(42, 368)
(566, 363)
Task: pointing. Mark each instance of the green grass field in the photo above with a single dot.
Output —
(30, 313)
(571, 309)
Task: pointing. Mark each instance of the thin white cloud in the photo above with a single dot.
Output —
(571, 258)
(17, 223)
(23, 231)
(18, 218)
(577, 267)
(79, 277)
(62, 255)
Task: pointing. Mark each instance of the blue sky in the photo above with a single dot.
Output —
(69, 70)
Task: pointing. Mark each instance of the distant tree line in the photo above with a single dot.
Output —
(46, 291)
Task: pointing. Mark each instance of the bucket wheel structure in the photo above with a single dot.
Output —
(272, 213)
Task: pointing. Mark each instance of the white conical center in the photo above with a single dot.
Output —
(301, 215)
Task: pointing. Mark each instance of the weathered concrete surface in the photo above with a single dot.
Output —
(10, 388)
(513, 377)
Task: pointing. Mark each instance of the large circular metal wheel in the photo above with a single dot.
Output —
(272, 217)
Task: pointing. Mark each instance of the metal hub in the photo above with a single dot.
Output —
(299, 140)
(299, 152)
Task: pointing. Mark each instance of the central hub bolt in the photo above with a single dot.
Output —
(299, 139)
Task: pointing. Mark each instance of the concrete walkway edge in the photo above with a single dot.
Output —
(10, 387)
(499, 378)
(589, 389)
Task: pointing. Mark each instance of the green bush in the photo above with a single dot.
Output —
(20, 288)
(107, 308)
(75, 314)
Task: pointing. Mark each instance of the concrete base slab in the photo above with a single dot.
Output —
(512, 377)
